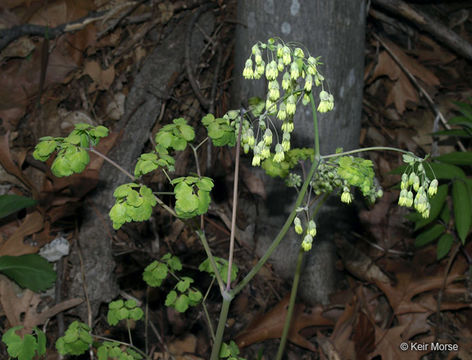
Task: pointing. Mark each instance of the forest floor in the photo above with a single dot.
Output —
(395, 292)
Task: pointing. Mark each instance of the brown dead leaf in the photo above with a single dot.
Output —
(432, 53)
(363, 336)
(411, 283)
(6, 161)
(415, 324)
(388, 345)
(23, 310)
(270, 325)
(402, 92)
(341, 336)
(16, 307)
(357, 263)
(15, 245)
(102, 78)
(182, 346)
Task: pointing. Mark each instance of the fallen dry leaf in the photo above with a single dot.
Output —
(15, 245)
(402, 91)
(270, 325)
(23, 310)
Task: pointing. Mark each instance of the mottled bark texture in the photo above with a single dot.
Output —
(334, 30)
(151, 87)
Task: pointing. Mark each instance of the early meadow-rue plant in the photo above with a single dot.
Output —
(291, 74)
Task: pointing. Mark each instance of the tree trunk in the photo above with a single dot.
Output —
(334, 30)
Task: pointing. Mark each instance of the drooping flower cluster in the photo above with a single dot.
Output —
(414, 179)
(310, 232)
(343, 173)
(290, 76)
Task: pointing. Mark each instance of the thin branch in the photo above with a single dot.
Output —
(235, 203)
(428, 24)
(106, 158)
(15, 32)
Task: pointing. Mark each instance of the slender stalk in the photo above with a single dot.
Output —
(235, 205)
(315, 126)
(372, 148)
(207, 314)
(122, 343)
(129, 332)
(107, 159)
(195, 155)
(213, 265)
(291, 305)
(215, 351)
(168, 209)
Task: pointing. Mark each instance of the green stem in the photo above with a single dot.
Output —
(315, 126)
(372, 148)
(291, 305)
(111, 162)
(129, 332)
(215, 351)
(293, 293)
(122, 343)
(205, 310)
(298, 270)
(235, 206)
(213, 265)
(281, 234)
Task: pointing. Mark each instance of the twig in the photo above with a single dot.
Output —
(84, 286)
(112, 27)
(443, 287)
(428, 98)
(58, 296)
(428, 24)
(106, 158)
(235, 201)
(15, 32)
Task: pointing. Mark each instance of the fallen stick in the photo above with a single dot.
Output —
(428, 24)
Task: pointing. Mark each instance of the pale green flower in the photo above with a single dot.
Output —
(291, 105)
(298, 53)
(280, 65)
(298, 226)
(433, 188)
(279, 154)
(248, 73)
(286, 81)
(287, 126)
(287, 59)
(346, 196)
(271, 70)
(308, 83)
(294, 71)
(267, 137)
(256, 160)
(311, 228)
(307, 242)
(274, 93)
